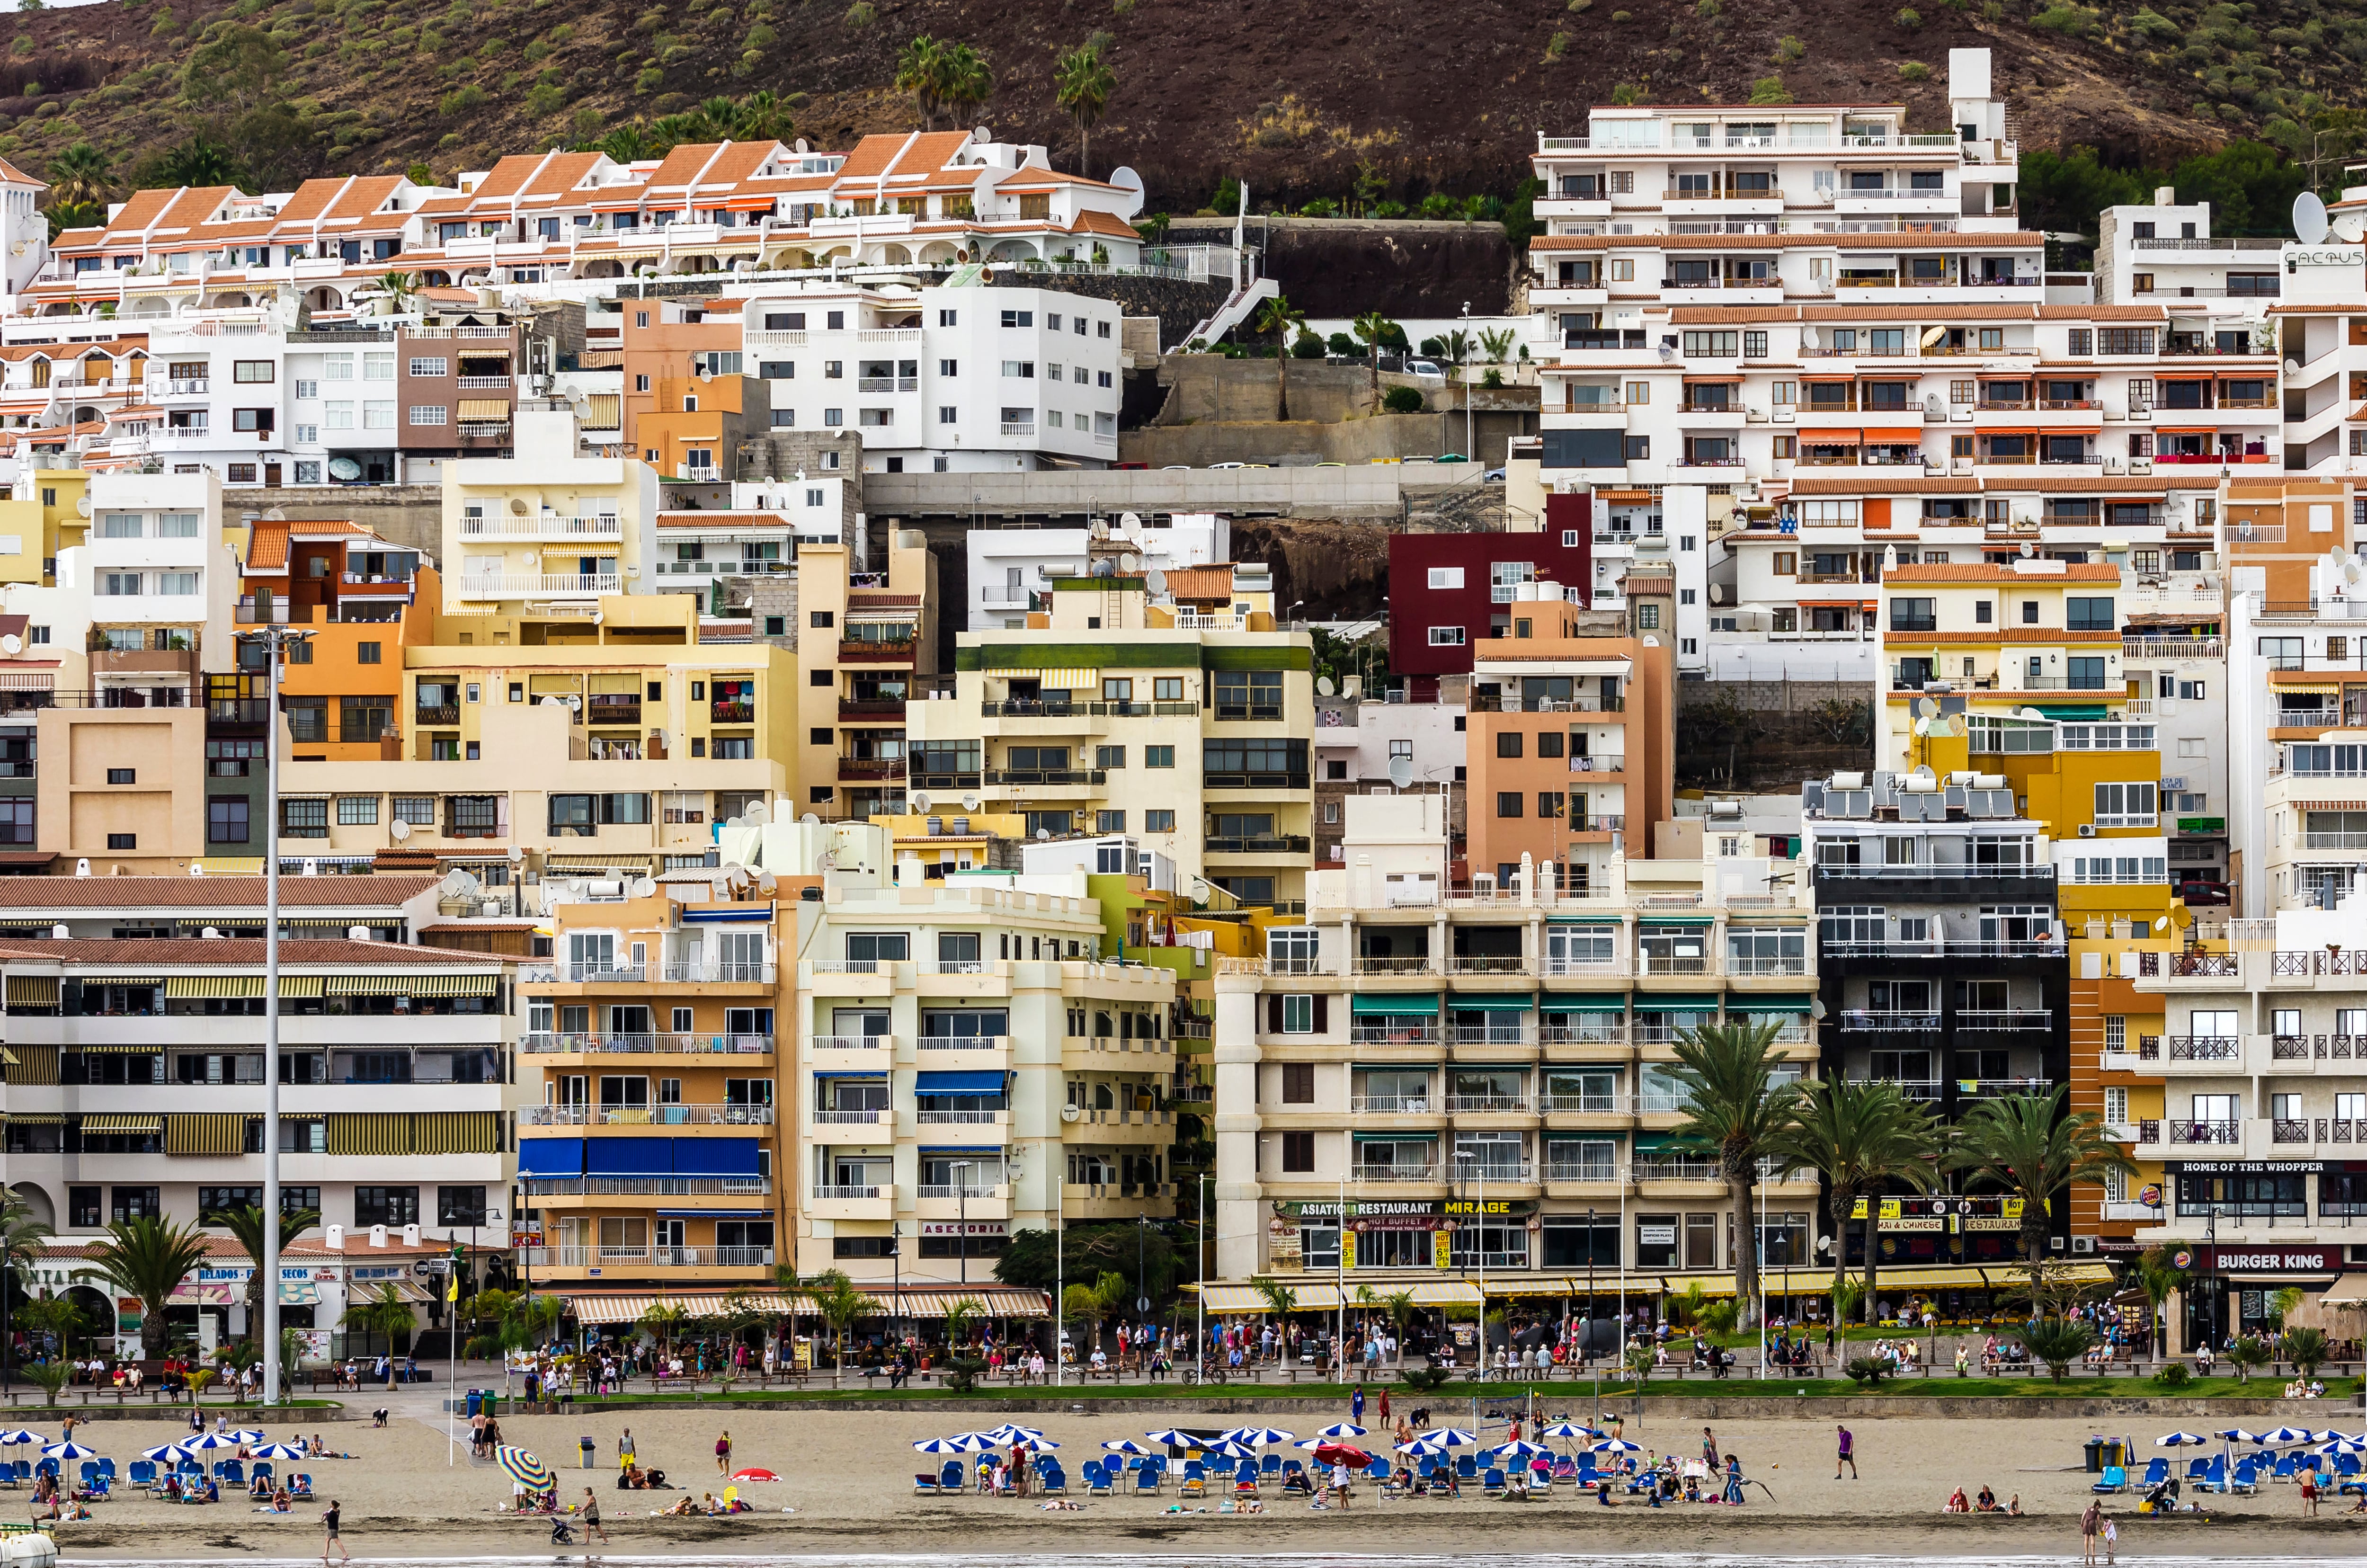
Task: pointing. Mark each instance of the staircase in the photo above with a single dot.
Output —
(1236, 308)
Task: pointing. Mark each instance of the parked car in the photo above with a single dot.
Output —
(1426, 370)
(2203, 894)
(1493, 476)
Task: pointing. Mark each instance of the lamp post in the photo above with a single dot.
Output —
(1469, 453)
(274, 640)
(961, 1221)
(1469, 1160)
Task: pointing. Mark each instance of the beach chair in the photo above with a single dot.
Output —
(1196, 1479)
(2115, 1479)
(300, 1486)
(263, 1470)
(230, 1473)
(2197, 1471)
(89, 1471)
(1147, 1480)
(1051, 1480)
(950, 1476)
(2246, 1477)
(2347, 1466)
(1466, 1467)
(47, 1466)
(1380, 1473)
(100, 1490)
(924, 1482)
(2156, 1473)
(2215, 1475)
(143, 1473)
(1097, 1478)
(107, 1469)
(2285, 1468)
(1273, 1465)
(1492, 1484)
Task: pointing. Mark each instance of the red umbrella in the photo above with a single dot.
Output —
(753, 1475)
(1340, 1453)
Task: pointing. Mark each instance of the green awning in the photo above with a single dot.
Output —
(1367, 1007)
(1649, 1141)
(1769, 1004)
(1490, 1004)
(1585, 1004)
(1676, 1003)
(1394, 1137)
(2077, 711)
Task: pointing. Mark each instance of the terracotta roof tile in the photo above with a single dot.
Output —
(1200, 583)
(230, 951)
(61, 893)
(1965, 571)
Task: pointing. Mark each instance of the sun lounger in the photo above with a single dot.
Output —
(1051, 1479)
(1379, 1471)
(1147, 1481)
(89, 1471)
(1196, 1479)
(100, 1489)
(300, 1486)
(2115, 1479)
(1492, 1484)
(143, 1473)
(1097, 1478)
(2156, 1473)
(2247, 1478)
(1466, 1467)
(950, 1476)
(924, 1482)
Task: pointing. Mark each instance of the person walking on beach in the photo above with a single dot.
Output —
(723, 1453)
(1709, 1450)
(2092, 1524)
(329, 1522)
(1848, 1455)
(1356, 1406)
(591, 1511)
(624, 1452)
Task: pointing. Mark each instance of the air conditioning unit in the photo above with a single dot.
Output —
(2083, 1245)
(2087, 830)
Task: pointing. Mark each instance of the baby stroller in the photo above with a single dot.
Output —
(559, 1534)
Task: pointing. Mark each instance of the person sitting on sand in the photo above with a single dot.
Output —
(681, 1507)
(1957, 1504)
(1986, 1503)
(2013, 1506)
(213, 1489)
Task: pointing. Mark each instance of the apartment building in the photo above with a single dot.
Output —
(687, 407)
(1010, 569)
(563, 735)
(1449, 593)
(79, 387)
(1481, 1077)
(547, 528)
(2259, 1112)
(863, 639)
(1077, 720)
(39, 502)
(1365, 741)
(648, 1152)
(394, 1062)
(2298, 689)
(1570, 744)
(968, 1065)
(970, 377)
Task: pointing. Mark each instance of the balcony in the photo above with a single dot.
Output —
(1478, 1105)
(862, 1116)
(522, 584)
(1258, 844)
(2203, 1048)
(1411, 963)
(1370, 1175)
(710, 972)
(862, 710)
(2006, 1020)
(1392, 1105)
(883, 1042)
(961, 1042)
(646, 1044)
(646, 1257)
(1862, 1021)
(547, 525)
(868, 651)
(648, 1186)
(869, 769)
(435, 713)
(646, 1116)
(831, 1193)
(2194, 1132)
(2318, 1048)
(1374, 1034)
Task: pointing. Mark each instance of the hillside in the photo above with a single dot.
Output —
(1290, 95)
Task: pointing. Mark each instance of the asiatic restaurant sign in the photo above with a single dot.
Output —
(1952, 1215)
(1408, 1214)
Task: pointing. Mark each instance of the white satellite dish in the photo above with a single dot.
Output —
(456, 883)
(2161, 923)
(920, 803)
(1922, 727)
(1098, 528)
(1043, 834)
(1808, 337)
(756, 815)
(1401, 771)
(811, 820)
(12, 644)
(972, 802)
(1156, 582)
(1323, 687)
(1129, 519)
(399, 829)
(2309, 219)
(1130, 563)
(644, 886)
(2028, 549)
(554, 702)
(1926, 708)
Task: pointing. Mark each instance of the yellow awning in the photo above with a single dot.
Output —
(121, 1124)
(456, 1132)
(604, 411)
(452, 984)
(484, 408)
(368, 1132)
(36, 1118)
(300, 985)
(210, 1133)
(214, 985)
(32, 991)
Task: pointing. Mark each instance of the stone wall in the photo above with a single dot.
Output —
(1400, 267)
(411, 516)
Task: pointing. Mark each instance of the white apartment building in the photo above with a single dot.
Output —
(25, 238)
(550, 525)
(262, 402)
(968, 377)
(2296, 703)
(1011, 569)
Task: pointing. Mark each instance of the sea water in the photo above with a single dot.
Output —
(576, 1556)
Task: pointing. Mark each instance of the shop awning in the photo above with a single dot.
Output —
(1599, 1004)
(190, 1294)
(121, 1124)
(550, 1156)
(1365, 1007)
(1676, 1003)
(1490, 1004)
(1770, 1005)
(629, 1156)
(2349, 1287)
(298, 1293)
(982, 1083)
(1001, 1301)
(2087, 712)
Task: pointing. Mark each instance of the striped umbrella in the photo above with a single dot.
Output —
(2283, 1435)
(1259, 1437)
(169, 1453)
(2181, 1440)
(1341, 1430)
(1568, 1429)
(1225, 1448)
(250, 1436)
(209, 1440)
(1008, 1433)
(525, 1469)
(1617, 1446)
(68, 1450)
(1173, 1438)
(1449, 1437)
(276, 1452)
(1522, 1450)
(19, 1437)
(960, 1444)
(2341, 1446)
(1129, 1448)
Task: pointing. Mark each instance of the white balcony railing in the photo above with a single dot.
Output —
(647, 1116)
(519, 585)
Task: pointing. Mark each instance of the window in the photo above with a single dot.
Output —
(389, 1206)
(1156, 756)
(356, 810)
(2125, 805)
(1509, 803)
(226, 819)
(1446, 577)
(429, 414)
(251, 370)
(1019, 318)
(1508, 743)
(2088, 615)
(304, 819)
(1446, 637)
(1158, 821)
(421, 366)
(1298, 1148)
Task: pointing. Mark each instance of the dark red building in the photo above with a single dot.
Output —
(1449, 590)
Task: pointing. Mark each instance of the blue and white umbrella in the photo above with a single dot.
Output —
(1339, 1429)
(1225, 1448)
(276, 1452)
(2285, 1435)
(1522, 1450)
(2181, 1440)
(2238, 1435)
(168, 1453)
(2331, 1435)
(955, 1445)
(1129, 1448)
(68, 1450)
(1173, 1438)
(1617, 1446)
(1259, 1437)
(209, 1440)
(2341, 1446)
(1568, 1429)
(250, 1435)
(1009, 1433)
(1450, 1438)
(19, 1437)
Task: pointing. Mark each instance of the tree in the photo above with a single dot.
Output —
(2160, 1278)
(146, 1259)
(1495, 342)
(1275, 319)
(199, 161)
(398, 286)
(1734, 1111)
(1858, 1135)
(1281, 1300)
(1082, 84)
(626, 145)
(2248, 1354)
(386, 1314)
(1399, 1304)
(80, 176)
(918, 73)
(957, 1320)
(968, 82)
(764, 115)
(1370, 329)
(2306, 1349)
(245, 1226)
(237, 69)
(1460, 346)
(838, 1301)
(663, 1320)
(2028, 1145)
(2057, 1342)
(942, 77)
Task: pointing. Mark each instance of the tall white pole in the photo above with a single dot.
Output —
(269, 1261)
(1059, 1272)
(1340, 1260)
(1200, 1264)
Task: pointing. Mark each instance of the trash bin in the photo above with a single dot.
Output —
(2095, 1446)
(589, 1448)
(475, 1404)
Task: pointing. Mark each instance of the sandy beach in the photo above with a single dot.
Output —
(849, 1477)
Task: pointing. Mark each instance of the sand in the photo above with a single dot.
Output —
(850, 1479)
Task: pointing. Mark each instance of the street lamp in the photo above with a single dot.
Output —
(961, 1223)
(274, 640)
(1469, 1159)
(1469, 453)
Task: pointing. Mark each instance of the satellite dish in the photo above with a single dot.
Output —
(1817, 1009)
(1156, 582)
(1922, 727)
(2161, 923)
(554, 702)
(2028, 549)
(972, 802)
(756, 815)
(82, 504)
(2335, 558)
(1927, 708)
(1401, 771)
(919, 802)
(12, 644)
(1932, 335)
(2309, 219)
(1957, 726)
(399, 829)
(811, 820)
(1043, 834)
(456, 883)
(1130, 563)
(644, 886)
(1323, 687)
(1808, 337)
(1129, 519)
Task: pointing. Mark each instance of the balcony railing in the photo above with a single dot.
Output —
(648, 1186)
(1476, 1104)
(1858, 1020)
(1374, 1034)
(1677, 1170)
(713, 973)
(2007, 1020)
(1587, 1105)
(648, 1044)
(1393, 1174)
(1396, 1105)
(2318, 1048)
(2203, 1048)
(2206, 1132)
(961, 1042)
(827, 1192)
(647, 1116)
(853, 1042)
(514, 584)
(1258, 844)
(1412, 963)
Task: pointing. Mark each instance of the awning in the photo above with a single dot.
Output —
(1366, 1006)
(1603, 1003)
(2008, 430)
(121, 1124)
(456, 1132)
(629, 1156)
(1830, 438)
(1894, 437)
(2186, 430)
(452, 984)
(2349, 1287)
(932, 1302)
(212, 985)
(368, 1132)
(32, 991)
(298, 1293)
(189, 1294)
(209, 1133)
(1490, 1004)
(1676, 1003)
(979, 1083)
(495, 408)
(409, 985)
(2088, 713)
(550, 1156)
(1393, 1137)
(715, 1156)
(1769, 1005)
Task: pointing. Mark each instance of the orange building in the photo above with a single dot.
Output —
(353, 592)
(686, 404)
(1570, 742)
(2284, 525)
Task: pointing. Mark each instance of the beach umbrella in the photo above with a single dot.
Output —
(2238, 1435)
(1225, 1448)
(525, 1469)
(209, 1440)
(276, 1452)
(1341, 1430)
(168, 1453)
(1129, 1448)
(2284, 1435)
(1342, 1453)
(2331, 1435)
(2341, 1446)
(1173, 1438)
(1259, 1437)
(2179, 1440)
(1451, 1438)
(68, 1450)
(1007, 1432)
(1522, 1450)
(250, 1436)
(956, 1445)
(753, 1475)
(1568, 1429)
(1617, 1446)
(20, 1436)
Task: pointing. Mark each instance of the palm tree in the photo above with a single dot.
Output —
(626, 145)
(764, 115)
(1082, 84)
(1735, 1111)
(197, 161)
(385, 1313)
(1400, 1306)
(839, 1301)
(957, 1320)
(967, 82)
(671, 131)
(2160, 1278)
(920, 71)
(1278, 315)
(146, 1259)
(1496, 342)
(2028, 1145)
(1370, 328)
(1858, 1135)
(1460, 346)
(80, 175)
(721, 117)
(664, 1319)
(245, 1227)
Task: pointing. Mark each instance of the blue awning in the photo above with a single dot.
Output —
(715, 1156)
(1490, 1004)
(629, 1156)
(957, 1083)
(1365, 1007)
(550, 1156)
(1598, 1004)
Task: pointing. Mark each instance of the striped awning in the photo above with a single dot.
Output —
(210, 1132)
(119, 1122)
(132, 980)
(210, 986)
(32, 991)
(595, 863)
(410, 985)
(594, 1309)
(933, 1302)
(36, 1118)
(300, 985)
(484, 408)
(452, 984)
(33, 1065)
(456, 1132)
(368, 1132)
(604, 411)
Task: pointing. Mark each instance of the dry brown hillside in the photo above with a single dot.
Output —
(1290, 94)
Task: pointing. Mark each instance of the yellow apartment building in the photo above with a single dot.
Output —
(863, 637)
